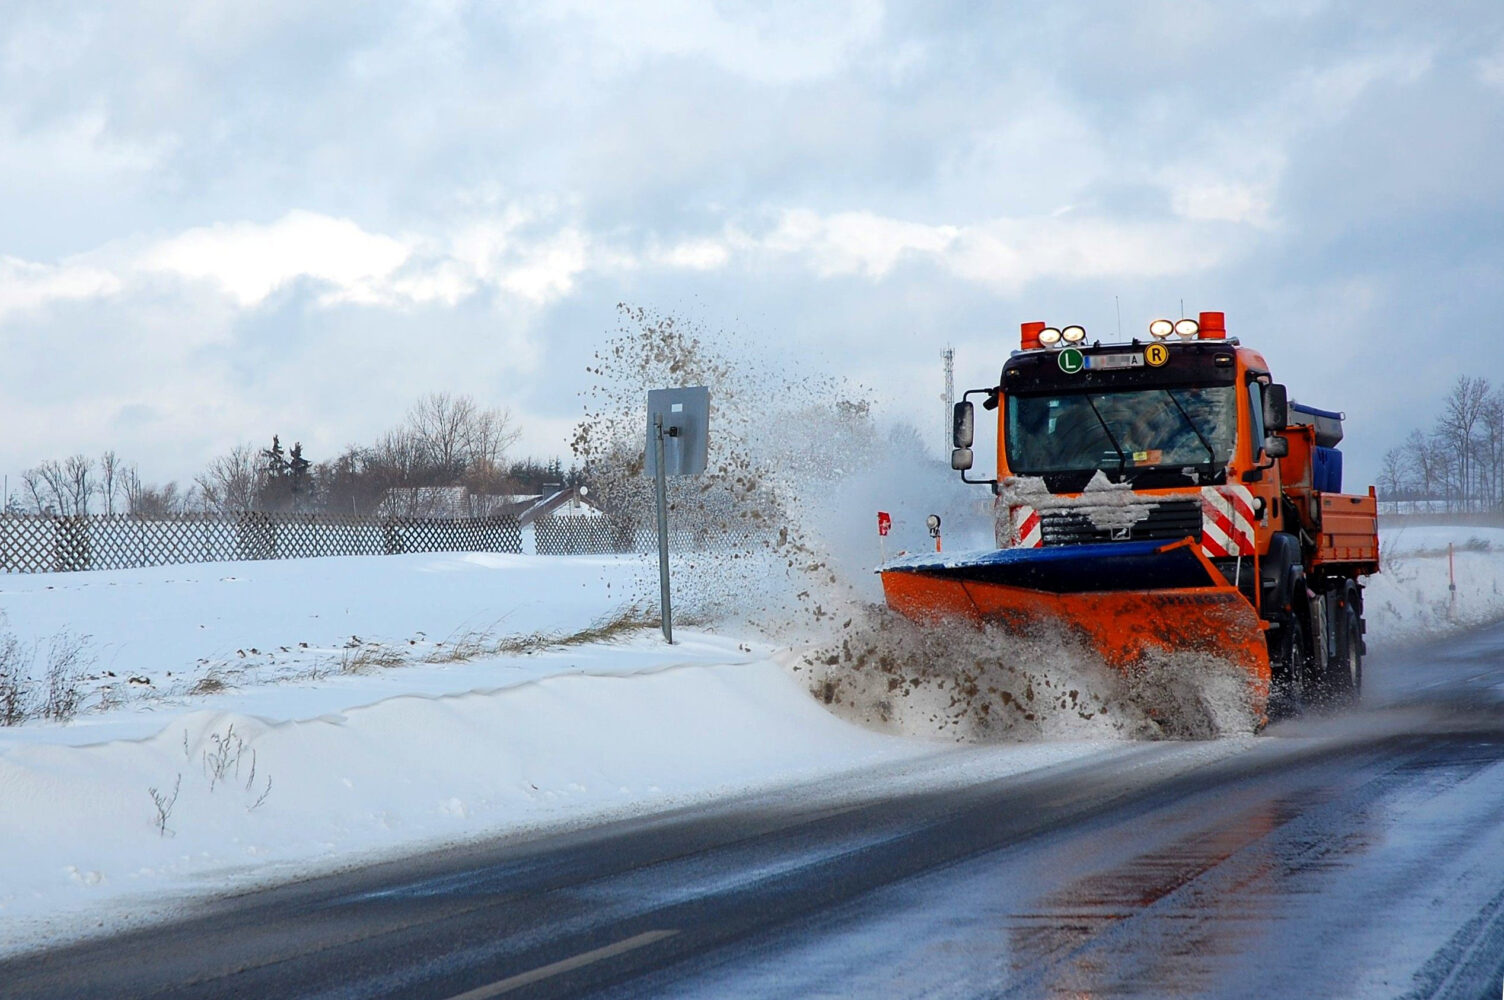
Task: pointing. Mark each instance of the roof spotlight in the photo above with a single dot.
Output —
(1073, 334)
(1049, 337)
(1187, 328)
(1161, 328)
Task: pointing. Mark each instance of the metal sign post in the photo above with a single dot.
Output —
(660, 484)
(678, 426)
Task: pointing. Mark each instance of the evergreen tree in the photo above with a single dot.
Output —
(297, 475)
(275, 493)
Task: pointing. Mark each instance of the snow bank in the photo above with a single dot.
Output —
(244, 723)
(371, 707)
(1410, 599)
(247, 799)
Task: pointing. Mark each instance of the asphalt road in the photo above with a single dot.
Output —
(1360, 855)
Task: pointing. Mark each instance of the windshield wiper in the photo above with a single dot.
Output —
(1122, 458)
(1211, 453)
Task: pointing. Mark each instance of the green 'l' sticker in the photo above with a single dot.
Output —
(1071, 361)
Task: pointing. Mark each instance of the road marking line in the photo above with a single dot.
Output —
(564, 965)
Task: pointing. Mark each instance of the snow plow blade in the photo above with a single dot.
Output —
(1125, 598)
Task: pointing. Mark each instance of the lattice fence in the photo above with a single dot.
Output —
(560, 535)
(572, 535)
(40, 543)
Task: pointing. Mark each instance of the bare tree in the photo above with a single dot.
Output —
(78, 482)
(37, 491)
(111, 479)
(131, 486)
(232, 482)
(1423, 459)
(443, 426)
(61, 487)
(1461, 413)
(397, 466)
(1394, 475)
(350, 483)
(458, 439)
(1492, 454)
(159, 501)
(491, 434)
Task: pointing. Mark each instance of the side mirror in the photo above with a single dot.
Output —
(1276, 408)
(1276, 447)
(963, 429)
(961, 459)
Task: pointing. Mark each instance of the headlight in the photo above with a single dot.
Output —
(1187, 328)
(1161, 328)
(1073, 334)
(1049, 336)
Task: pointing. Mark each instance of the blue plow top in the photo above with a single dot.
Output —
(1072, 569)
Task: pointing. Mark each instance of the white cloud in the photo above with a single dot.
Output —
(771, 43)
(1331, 90)
(1009, 254)
(79, 146)
(692, 255)
(250, 261)
(1223, 201)
(547, 270)
(28, 286)
(1002, 254)
(1491, 69)
(853, 242)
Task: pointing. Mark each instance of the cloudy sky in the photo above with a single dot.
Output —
(221, 220)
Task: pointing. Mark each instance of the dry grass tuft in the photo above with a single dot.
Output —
(211, 684)
(370, 656)
(473, 645)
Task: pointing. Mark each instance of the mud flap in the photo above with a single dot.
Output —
(1126, 599)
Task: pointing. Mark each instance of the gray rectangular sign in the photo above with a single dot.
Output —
(685, 414)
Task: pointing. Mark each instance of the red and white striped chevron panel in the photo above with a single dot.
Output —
(1227, 523)
(1227, 520)
(1023, 529)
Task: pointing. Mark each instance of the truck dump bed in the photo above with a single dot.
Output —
(1347, 528)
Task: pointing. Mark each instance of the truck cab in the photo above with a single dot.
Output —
(1185, 436)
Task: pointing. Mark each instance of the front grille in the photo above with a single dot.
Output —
(1167, 521)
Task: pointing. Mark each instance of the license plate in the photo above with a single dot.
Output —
(1114, 361)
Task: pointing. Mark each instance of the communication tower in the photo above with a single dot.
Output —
(949, 396)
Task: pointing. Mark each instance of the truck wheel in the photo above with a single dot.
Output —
(1289, 665)
(1344, 677)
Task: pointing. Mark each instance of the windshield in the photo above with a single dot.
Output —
(1123, 432)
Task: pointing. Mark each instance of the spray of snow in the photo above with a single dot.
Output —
(800, 465)
(992, 684)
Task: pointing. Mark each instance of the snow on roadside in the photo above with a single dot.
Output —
(290, 764)
(1410, 600)
(158, 634)
(247, 799)
(305, 715)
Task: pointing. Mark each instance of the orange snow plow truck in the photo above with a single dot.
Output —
(1163, 494)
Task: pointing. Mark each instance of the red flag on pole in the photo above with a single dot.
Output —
(884, 523)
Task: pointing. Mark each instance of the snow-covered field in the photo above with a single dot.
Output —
(293, 717)
(1410, 599)
(245, 723)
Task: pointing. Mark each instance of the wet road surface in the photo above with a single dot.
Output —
(1360, 855)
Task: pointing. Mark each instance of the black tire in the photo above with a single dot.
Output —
(1289, 666)
(1344, 677)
